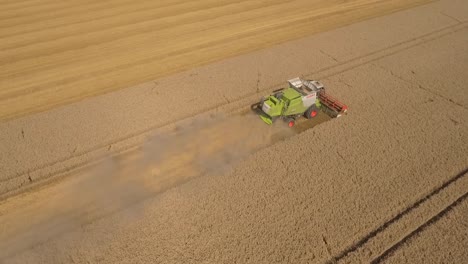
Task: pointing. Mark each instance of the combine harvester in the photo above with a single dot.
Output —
(302, 98)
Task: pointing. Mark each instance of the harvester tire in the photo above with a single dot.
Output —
(290, 122)
(311, 112)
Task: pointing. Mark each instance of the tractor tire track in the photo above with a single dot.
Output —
(243, 100)
(420, 229)
(346, 255)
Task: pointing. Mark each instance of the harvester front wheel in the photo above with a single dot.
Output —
(311, 112)
(290, 122)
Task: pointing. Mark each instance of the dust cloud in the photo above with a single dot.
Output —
(205, 145)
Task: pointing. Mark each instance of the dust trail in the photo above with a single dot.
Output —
(204, 145)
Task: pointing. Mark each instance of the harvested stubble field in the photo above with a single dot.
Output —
(53, 52)
(173, 171)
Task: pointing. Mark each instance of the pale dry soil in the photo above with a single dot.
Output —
(56, 52)
(387, 182)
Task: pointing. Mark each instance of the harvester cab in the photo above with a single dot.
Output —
(300, 98)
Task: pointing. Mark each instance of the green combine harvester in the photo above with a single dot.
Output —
(302, 98)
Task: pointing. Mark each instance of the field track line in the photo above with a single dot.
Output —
(97, 215)
(66, 93)
(141, 33)
(420, 229)
(410, 209)
(58, 6)
(292, 19)
(245, 99)
(71, 9)
(107, 17)
(69, 72)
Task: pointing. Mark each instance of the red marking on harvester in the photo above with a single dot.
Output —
(332, 103)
